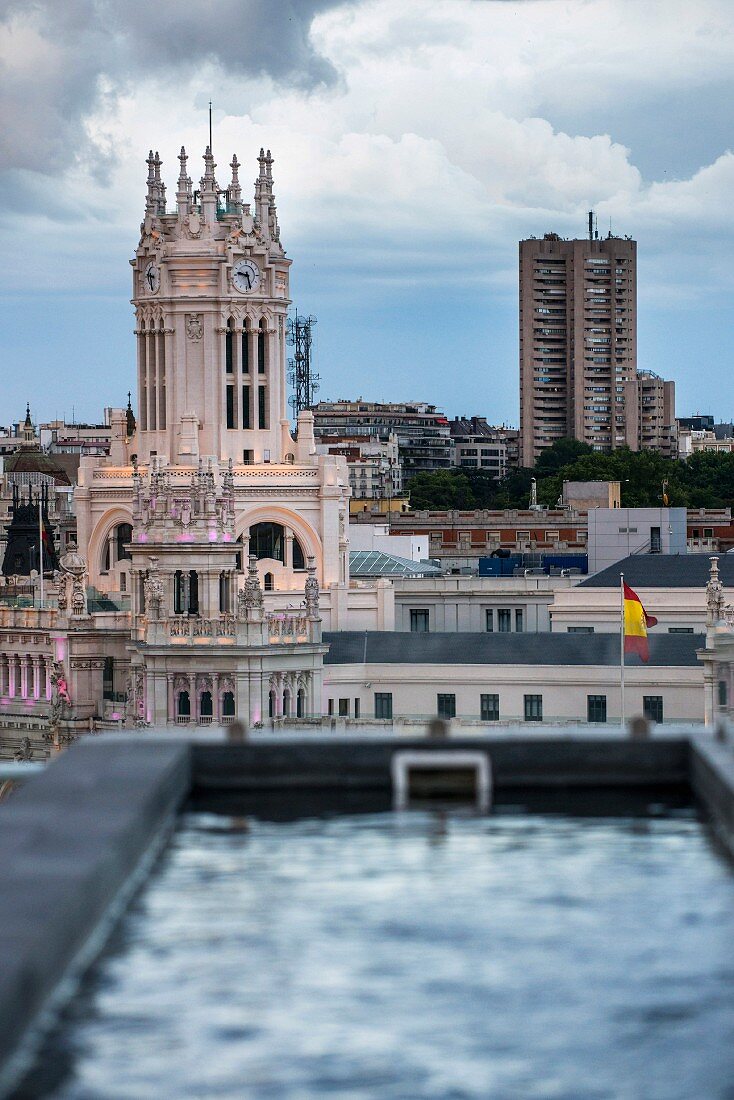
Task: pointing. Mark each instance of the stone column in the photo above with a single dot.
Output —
(24, 676)
(12, 675)
(288, 549)
(170, 703)
(47, 677)
(36, 676)
(216, 705)
(193, 701)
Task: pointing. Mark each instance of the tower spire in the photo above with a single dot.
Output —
(28, 433)
(208, 185)
(183, 190)
(151, 198)
(235, 191)
(264, 192)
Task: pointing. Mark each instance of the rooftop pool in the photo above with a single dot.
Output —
(429, 953)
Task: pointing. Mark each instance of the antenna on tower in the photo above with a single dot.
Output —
(304, 381)
(591, 225)
(211, 147)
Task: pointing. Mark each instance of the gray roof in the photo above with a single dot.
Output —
(374, 563)
(663, 571)
(349, 647)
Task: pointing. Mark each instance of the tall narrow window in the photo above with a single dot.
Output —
(652, 707)
(383, 704)
(152, 384)
(228, 349)
(224, 593)
(533, 708)
(161, 377)
(179, 593)
(446, 705)
(489, 708)
(246, 349)
(230, 406)
(143, 356)
(245, 406)
(596, 708)
(108, 678)
(261, 410)
(261, 336)
(193, 592)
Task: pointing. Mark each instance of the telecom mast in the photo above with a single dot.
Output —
(304, 381)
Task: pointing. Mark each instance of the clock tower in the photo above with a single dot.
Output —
(210, 290)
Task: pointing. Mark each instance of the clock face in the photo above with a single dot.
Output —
(246, 275)
(151, 278)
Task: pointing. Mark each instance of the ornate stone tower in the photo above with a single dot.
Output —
(210, 290)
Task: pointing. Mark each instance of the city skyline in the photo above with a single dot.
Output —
(414, 146)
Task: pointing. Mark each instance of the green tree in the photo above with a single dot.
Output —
(441, 490)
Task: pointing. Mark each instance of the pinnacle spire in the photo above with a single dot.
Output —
(155, 202)
(235, 191)
(183, 190)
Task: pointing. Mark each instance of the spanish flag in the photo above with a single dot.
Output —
(636, 622)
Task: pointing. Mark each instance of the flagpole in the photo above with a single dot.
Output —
(621, 651)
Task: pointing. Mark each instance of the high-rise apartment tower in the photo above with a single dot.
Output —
(578, 341)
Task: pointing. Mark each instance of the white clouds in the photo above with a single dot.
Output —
(415, 141)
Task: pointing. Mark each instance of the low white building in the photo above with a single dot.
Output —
(672, 588)
(489, 604)
(480, 678)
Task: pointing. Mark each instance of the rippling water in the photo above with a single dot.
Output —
(419, 955)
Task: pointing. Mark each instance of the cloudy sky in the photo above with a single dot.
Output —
(416, 141)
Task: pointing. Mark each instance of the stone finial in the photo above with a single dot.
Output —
(311, 590)
(714, 594)
(253, 596)
(151, 200)
(208, 182)
(183, 189)
(235, 191)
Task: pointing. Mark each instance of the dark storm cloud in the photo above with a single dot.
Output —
(59, 57)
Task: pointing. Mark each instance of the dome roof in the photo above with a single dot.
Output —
(27, 460)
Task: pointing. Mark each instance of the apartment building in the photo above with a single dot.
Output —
(578, 341)
(478, 445)
(422, 430)
(650, 414)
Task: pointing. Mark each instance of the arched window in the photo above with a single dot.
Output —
(269, 582)
(271, 705)
(205, 704)
(267, 540)
(300, 703)
(228, 704)
(123, 535)
(184, 705)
